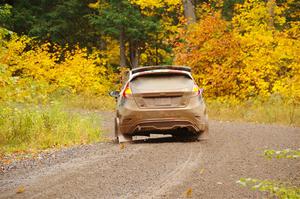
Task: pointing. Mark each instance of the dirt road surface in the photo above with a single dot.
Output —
(158, 167)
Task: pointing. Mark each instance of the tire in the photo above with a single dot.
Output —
(204, 135)
(116, 131)
(119, 137)
(185, 135)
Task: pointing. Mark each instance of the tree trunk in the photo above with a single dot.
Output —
(271, 7)
(134, 55)
(189, 11)
(122, 49)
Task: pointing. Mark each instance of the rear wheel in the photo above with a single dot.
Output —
(204, 135)
(116, 131)
(119, 137)
(186, 135)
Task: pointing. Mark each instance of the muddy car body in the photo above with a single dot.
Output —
(160, 100)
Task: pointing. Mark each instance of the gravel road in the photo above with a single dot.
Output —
(158, 167)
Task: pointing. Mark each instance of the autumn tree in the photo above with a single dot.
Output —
(125, 22)
(270, 54)
(257, 54)
(213, 54)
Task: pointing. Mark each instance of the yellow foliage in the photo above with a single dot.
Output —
(149, 7)
(152, 55)
(211, 51)
(30, 72)
(156, 3)
(254, 15)
(94, 5)
(204, 9)
(250, 60)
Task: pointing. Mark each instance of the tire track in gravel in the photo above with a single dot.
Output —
(53, 175)
(83, 165)
(174, 177)
(80, 166)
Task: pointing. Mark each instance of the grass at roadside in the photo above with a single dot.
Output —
(274, 110)
(89, 102)
(29, 127)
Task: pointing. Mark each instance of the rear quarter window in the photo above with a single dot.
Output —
(162, 82)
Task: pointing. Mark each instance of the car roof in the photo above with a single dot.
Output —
(167, 67)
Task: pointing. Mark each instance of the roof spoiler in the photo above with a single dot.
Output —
(149, 68)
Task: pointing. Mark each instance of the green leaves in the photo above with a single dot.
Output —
(61, 22)
(5, 13)
(274, 189)
(284, 154)
(118, 15)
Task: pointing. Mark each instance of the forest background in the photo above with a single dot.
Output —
(57, 56)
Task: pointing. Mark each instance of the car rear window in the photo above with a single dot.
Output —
(161, 82)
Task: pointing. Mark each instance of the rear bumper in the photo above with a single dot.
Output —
(136, 121)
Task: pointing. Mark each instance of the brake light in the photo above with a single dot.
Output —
(127, 92)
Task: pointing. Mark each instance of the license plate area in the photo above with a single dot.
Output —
(163, 101)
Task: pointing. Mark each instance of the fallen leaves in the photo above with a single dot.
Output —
(122, 146)
(20, 189)
(189, 193)
(201, 171)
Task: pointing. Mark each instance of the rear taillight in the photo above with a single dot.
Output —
(127, 92)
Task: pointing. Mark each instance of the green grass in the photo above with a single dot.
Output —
(27, 128)
(273, 110)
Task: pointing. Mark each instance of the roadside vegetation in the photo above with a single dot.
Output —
(273, 110)
(275, 189)
(37, 127)
(45, 102)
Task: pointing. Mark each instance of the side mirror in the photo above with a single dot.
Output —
(114, 94)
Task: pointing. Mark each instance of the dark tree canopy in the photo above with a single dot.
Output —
(63, 22)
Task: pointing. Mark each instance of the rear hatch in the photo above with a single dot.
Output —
(162, 90)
